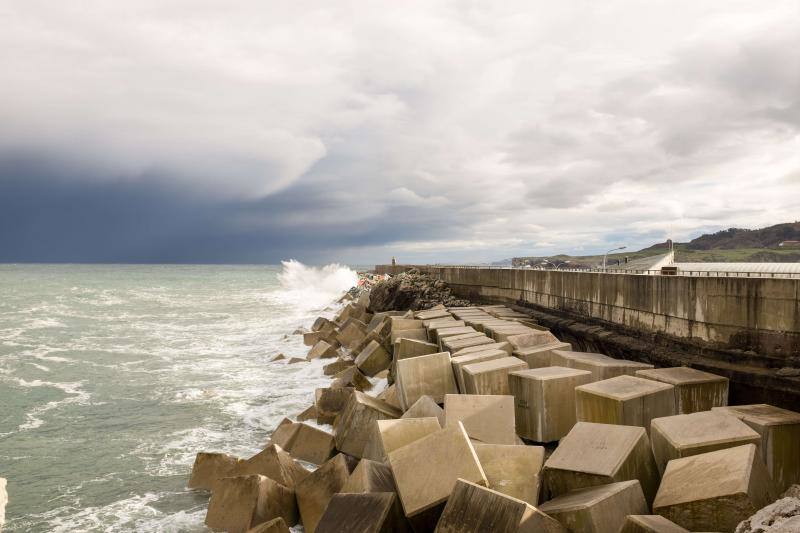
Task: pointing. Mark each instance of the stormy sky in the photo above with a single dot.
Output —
(254, 131)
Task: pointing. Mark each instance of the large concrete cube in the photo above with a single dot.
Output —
(626, 400)
(330, 401)
(544, 401)
(650, 523)
(310, 444)
(602, 366)
(599, 509)
(490, 377)
(457, 342)
(715, 491)
(486, 418)
(373, 358)
(542, 355)
(438, 334)
(484, 347)
(695, 390)
(598, 454)
(459, 362)
(420, 334)
(374, 512)
(426, 470)
(425, 407)
(430, 375)
(370, 476)
(321, 350)
(276, 525)
(679, 436)
(314, 492)
(351, 377)
(240, 503)
(389, 435)
(209, 467)
(513, 470)
(472, 508)
(780, 435)
(331, 369)
(432, 314)
(275, 463)
(532, 338)
(412, 348)
(354, 426)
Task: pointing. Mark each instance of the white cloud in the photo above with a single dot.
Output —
(506, 125)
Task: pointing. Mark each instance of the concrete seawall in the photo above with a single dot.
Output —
(757, 315)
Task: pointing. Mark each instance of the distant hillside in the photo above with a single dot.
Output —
(730, 245)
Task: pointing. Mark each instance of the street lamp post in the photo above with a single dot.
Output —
(606, 255)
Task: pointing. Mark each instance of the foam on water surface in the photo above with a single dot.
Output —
(112, 378)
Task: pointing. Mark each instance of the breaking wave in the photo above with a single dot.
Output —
(315, 287)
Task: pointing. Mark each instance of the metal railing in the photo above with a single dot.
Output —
(690, 273)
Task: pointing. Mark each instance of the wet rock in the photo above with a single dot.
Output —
(412, 290)
(279, 357)
(782, 516)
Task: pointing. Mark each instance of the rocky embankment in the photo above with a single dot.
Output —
(492, 424)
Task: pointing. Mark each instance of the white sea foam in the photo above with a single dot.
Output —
(76, 395)
(314, 287)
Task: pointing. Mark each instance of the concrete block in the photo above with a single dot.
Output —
(389, 435)
(295, 360)
(240, 503)
(436, 335)
(321, 350)
(283, 433)
(695, 390)
(313, 337)
(375, 512)
(351, 333)
(389, 395)
(459, 342)
(626, 400)
(310, 444)
(412, 348)
(352, 430)
(602, 366)
(426, 470)
(472, 508)
(780, 435)
(432, 314)
(368, 338)
(540, 356)
(715, 491)
(502, 333)
(370, 476)
(275, 463)
(316, 490)
(486, 418)
(430, 375)
(209, 467)
(448, 322)
(673, 437)
(598, 454)
(329, 402)
(420, 334)
(532, 338)
(425, 407)
(459, 362)
(331, 369)
(310, 413)
(399, 324)
(490, 377)
(276, 525)
(351, 377)
(599, 509)
(483, 347)
(513, 470)
(320, 323)
(650, 523)
(373, 358)
(544, 401)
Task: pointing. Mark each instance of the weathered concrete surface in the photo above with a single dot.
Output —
(460, 361)
(457, 343)
(373, 358)
(314, 492)
(544, 404)
(275, 463)
(602, 366)
(625, 400)
(542, 355)
(430, 375)
(425, 407)
(412, 348)
(370, 476)
(715, 491)
(472, 508)
(207, 469)
(389, 435)
(599, 509)
(695, 390)
(782, 516)
(330, 401)
(321, 349)
(426, 470)
(376, 512)
(780, 439)
(239, 503)
(490, 377)
(355, 424)
(276, 525)
(679, 436)
(506, 347)
(310, 444)
(513, 470)
(597, 454)
(650, 523)
(486, 418)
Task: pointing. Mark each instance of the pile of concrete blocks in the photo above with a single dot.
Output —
(489, 422)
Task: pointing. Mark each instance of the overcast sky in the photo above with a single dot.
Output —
(254, 131)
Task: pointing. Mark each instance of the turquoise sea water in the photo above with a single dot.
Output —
(112, 377)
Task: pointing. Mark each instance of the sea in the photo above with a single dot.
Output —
(112, 378)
